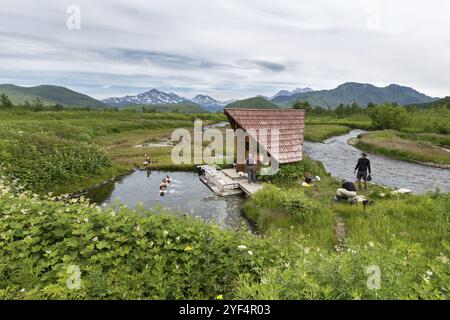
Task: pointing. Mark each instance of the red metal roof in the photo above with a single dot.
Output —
(289, 122)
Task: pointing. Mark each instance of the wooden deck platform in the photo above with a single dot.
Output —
(227, 181)
(250, 188)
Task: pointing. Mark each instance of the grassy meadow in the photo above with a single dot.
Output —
(71, 149)
(305, 246)
(407, 147)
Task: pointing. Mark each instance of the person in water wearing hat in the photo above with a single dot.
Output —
(361, 169)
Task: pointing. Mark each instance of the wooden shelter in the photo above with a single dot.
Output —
(288, 123)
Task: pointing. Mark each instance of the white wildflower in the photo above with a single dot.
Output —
(22, 290)
(241, 247)
(443, 258)
(165, 232)
(250, 252)
(95, 239)
(307, 250)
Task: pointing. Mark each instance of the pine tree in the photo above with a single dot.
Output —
(5, 102)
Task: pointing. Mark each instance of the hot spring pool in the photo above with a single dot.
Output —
(185, 195)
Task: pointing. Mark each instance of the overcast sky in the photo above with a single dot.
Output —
(227, 49)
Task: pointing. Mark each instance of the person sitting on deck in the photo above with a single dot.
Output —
(251, 173)
(147, 159)
(346, 192)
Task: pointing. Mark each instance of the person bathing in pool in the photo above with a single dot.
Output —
(163, 187)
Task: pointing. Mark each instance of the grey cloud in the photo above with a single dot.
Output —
(161, 58)
(267, 65)
(228, 49)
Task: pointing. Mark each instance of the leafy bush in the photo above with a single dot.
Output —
(271, 205)
(121, 254)
(41, 161)
(404, 274)
(290, 173)
(388, 116)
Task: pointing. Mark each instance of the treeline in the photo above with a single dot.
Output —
(37, 105)
(342, 111)
(432, 118)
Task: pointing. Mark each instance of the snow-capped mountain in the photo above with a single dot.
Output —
(205, 101)
(289, 93)
(149, 97)
(209, 103)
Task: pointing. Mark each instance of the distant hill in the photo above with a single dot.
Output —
(290, 93)
(253, 103)
(350, 92)
(441, 102)
(184, 107)
(49, 95)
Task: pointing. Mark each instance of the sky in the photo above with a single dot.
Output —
(228, 49)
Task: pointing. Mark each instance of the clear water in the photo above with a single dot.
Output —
(339, 159)
(185, 195)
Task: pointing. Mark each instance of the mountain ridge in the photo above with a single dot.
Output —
(362, 93)
(49, 94)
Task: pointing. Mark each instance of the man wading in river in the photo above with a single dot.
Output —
(362, 167)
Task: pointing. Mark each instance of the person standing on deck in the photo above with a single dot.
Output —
(361, 169)
(250, 163)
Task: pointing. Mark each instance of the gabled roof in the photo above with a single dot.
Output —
(289, 122)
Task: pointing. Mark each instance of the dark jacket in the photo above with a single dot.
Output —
(349, 186)
(363, 165)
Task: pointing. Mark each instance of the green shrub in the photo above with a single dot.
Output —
(41, 161)
(272, 208)
(289, 174)
(122, 254)
(388, 116)
(404, 274)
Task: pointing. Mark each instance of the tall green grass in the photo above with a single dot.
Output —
(47, 150)
(321, 132)
(393, 144)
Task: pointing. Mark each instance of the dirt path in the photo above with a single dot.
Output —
(340, 233)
